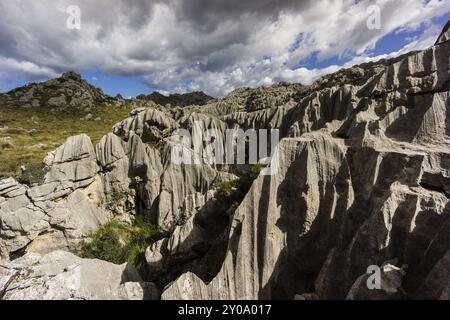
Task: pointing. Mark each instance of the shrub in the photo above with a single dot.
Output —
(118, 243)
(34, 173)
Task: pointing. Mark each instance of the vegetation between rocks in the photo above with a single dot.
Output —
(235, 190)
(118, 242)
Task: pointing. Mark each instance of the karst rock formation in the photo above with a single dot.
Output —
(363, 180)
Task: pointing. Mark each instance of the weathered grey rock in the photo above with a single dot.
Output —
(187, 287)
(78, 216)
(156, 254)
(149, 124)
(6, 276)
(109, 150)
(181, 185)
(184, 238)
(445, 34)
(68, 201)
(4, 254)
(62, 276)
(75, 161)
(145, 169)
(113, 159)
(437, 283)
(49, 241)
(362, 180)
(390, 286)
(256, 250)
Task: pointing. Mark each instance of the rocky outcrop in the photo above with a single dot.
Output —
(437, 283)
(250, 100)
(445, 34)
(60, 275)
(362, 181)
(198, 98)
(150, 124)
(66, 92)
(390, 286)
(61, 211)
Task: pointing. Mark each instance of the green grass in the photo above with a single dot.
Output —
(29, 127)
(118, 243)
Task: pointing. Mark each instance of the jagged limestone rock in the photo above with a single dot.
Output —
(74, 162)
(437, 283)
(6, 276)
(364, 181)
(149, 124)
(187, 287)
(61, 275)
(390, 286)
(445, 34)
(155, 255)
(60, 212)
(257, 250)
(112, 156)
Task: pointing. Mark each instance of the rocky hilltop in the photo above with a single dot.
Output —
(363, 180)
(178, 100)
(67, 91)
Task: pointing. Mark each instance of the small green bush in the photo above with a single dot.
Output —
(34, 173)
(118, 243)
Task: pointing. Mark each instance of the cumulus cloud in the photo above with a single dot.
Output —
(12, 69)
(210, 45)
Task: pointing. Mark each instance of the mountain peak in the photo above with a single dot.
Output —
(72, 75)
(68, 91)
(445, 34)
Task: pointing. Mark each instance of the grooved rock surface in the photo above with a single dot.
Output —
(62, 276)
(362, 180)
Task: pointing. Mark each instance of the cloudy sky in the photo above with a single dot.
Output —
(139, 46)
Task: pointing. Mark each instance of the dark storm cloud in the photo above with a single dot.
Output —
(214, 45)
(208, 14)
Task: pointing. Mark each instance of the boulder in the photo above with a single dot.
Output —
(61, 275)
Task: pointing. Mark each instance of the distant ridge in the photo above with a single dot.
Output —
(182, 100)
